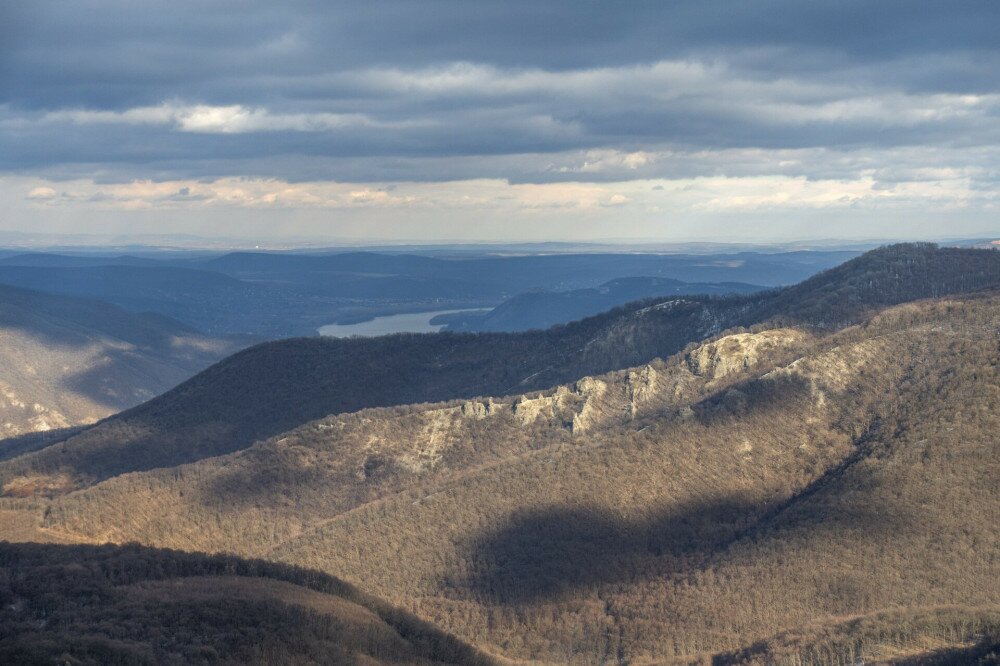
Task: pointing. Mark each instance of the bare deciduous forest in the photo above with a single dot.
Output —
(797, 488)
(127, 605)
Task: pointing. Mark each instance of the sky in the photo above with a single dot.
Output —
(437, 120)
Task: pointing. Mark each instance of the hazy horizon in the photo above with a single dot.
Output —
(13, 241)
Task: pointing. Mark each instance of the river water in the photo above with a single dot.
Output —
(414, 322)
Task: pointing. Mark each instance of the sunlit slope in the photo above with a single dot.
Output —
(848, 482)
(251, 500)
(271, 388)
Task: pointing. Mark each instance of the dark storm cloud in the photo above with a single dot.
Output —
(393, 89)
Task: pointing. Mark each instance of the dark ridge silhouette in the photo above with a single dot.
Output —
(136, 605)
(543, 309)
(53, 260)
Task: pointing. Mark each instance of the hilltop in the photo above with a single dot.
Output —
(71, 361)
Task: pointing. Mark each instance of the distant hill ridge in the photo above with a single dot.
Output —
(543, 309)
(271, 388)
(275, 295)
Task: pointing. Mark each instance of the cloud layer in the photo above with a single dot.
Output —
(691, 111)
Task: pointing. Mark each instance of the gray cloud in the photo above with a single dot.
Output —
(114, 54)
(485, 115)
(388, 91)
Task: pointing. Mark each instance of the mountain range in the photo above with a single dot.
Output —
(786, 476)
(544, 309)
(275, 295)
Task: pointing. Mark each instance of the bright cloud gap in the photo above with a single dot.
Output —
(693, 194)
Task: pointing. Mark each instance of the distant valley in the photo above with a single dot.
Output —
(70, 361)
(271, 295)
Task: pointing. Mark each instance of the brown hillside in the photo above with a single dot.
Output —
(761, 482)
(850, 481)
(942, 636)
(257, 498)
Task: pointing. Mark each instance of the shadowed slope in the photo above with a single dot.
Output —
(132, 605)
(66, 361)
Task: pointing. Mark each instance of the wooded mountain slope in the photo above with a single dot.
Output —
(847, 483)
(774, 495)
(133, 605)
(67, 361)
(271, 388)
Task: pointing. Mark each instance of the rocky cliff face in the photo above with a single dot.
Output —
(733, 353)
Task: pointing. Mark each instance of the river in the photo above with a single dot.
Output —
(413, 322)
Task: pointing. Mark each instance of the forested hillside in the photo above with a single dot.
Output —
(134, 605)
(778, 495)
(276, 386)
(543, 309)
(797, 491)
